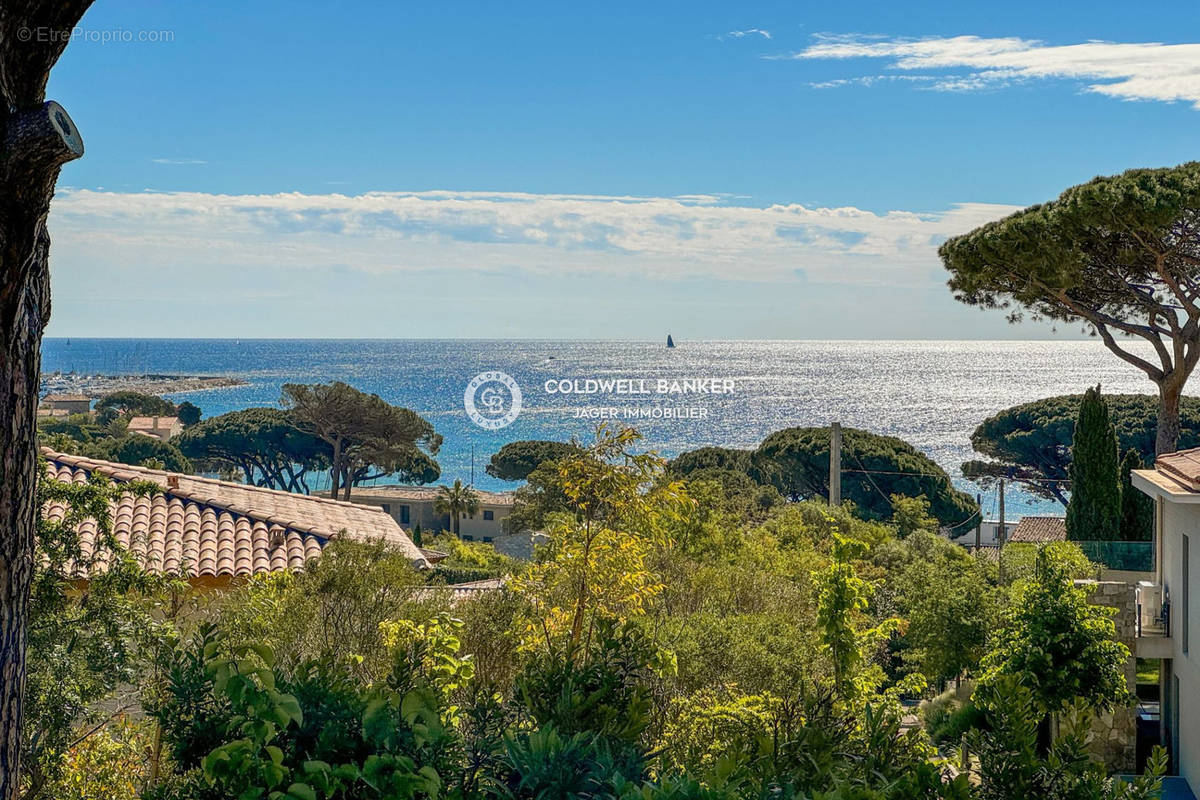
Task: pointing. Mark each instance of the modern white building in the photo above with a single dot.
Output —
(1170, 605)
(988, 534)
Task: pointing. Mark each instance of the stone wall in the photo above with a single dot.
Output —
(1114, 734)
(518, 545)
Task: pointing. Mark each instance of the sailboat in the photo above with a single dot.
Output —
(670, 341)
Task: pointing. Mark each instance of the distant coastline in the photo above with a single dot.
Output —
(100, 385)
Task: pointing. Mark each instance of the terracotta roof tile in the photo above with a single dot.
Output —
(209, 528)
(1040, 529)
(1182, 466)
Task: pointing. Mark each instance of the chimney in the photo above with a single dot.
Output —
(172, 481)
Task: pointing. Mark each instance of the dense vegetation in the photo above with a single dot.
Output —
(795, 462)
(661, 645)
(1031, 443)
(515, 460)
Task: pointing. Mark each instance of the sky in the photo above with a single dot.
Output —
(568, 170)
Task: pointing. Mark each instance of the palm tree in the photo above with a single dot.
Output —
(456, 500)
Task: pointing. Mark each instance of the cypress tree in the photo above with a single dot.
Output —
(1137, 509)
(1094, 511)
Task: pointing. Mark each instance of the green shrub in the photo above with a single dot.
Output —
(951, 714)
(111, 764)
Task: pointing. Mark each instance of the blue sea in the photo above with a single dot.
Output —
(930, 393)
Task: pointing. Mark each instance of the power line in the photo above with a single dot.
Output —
(935, 475)
(864, 470)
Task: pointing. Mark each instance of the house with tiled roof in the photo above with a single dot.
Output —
(214, 532)
(70, 403)
(158, 427)
(1040, 530)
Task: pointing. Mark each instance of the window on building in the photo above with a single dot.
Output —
(487, 540)
(404, 515)
(488, 515)
(468, 538)
(1185, 595)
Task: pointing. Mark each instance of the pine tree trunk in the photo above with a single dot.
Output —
(1167, 440)
(24, 311)
(36, 139)
(335, 469)
(19, 375)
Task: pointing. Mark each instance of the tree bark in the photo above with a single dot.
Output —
(335, 469)
(1167, 440)
(36, 139)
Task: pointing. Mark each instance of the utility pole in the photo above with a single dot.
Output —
(979, 523)
(1003, 530)
(835, 464)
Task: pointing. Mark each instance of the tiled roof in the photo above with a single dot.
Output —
(434, 556)
(1040, 529)
(208, 528)
(67, 398)
(426, 493)
(1183, 466)
(463, 591)
(476, 587)
(987, 552)
(153, 423)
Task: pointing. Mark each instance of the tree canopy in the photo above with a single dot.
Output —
(146, 451)
(515, 460)
(1030, 443)
(725, 458)
(368, 436)
(188, 413)
(129, 403)
(796, 461)
(264, 444)
(1119, 255)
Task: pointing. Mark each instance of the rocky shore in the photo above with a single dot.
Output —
(100, 385)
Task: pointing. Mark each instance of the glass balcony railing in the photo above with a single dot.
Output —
(1130, 556)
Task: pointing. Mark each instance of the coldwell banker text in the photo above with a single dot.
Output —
(633, 387)
(640, 386)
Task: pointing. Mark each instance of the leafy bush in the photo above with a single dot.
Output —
(951, 714)
(315, 732)
(112, 764)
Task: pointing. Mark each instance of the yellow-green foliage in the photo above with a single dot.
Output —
(111, 764)
(334, 609)
(704, 727)
(471, 555)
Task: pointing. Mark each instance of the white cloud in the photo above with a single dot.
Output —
(1128, 71)
(695, 236)
(748, 32)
